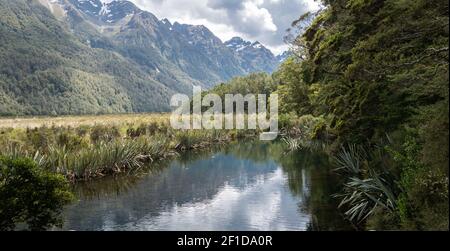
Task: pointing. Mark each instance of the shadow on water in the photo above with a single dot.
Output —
(244, 186)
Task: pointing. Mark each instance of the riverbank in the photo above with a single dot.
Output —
(82, 148)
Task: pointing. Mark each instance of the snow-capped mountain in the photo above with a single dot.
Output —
(176, 54)
(253, 54)
(283, 56)
(237, 44)
(108, 11)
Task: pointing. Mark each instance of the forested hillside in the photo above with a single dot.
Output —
(46, 70)
(376, 72)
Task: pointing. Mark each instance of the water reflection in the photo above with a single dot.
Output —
(247, 186)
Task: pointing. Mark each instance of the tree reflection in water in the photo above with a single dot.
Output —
(244, 186)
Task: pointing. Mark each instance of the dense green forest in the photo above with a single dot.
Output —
(377, 73)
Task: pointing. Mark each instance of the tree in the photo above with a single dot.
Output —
(294, 93)
(377, 62)
(30, 195)
(377, 68)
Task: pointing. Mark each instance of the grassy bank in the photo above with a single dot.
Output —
(92, 147)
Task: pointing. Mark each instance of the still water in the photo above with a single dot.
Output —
(245, 186)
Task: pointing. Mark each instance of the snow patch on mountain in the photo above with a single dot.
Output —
(283, 56)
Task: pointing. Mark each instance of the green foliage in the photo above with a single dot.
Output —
(370, 186)
(105, 158)
(102, 133)
(186, 140)
(30, 195)
(371, 64)
(388, 187)
(423, 202)
(292, 144)
(352, 160)
(290, 81)
(376, 68)
(255, 83)
(312, 127)
(366, 196)
(305, 132)
(90, 152)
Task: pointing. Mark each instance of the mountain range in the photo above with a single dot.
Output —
(92, 56)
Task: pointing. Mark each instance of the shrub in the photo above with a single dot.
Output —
(312, 127)
(138, 132)
(82, 130)
(287, 121)
(39, 138)
(71, 141)
(102, 133)
(30, 195)
(153, 128)
(423, 203)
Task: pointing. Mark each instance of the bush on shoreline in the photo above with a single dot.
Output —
(30, 195)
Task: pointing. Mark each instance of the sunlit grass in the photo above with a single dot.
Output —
(77, 121)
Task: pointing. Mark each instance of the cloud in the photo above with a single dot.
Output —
(262, 20)
(228, 5)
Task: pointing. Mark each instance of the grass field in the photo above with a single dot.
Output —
(76, 121)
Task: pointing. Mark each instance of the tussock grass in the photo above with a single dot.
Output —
(106, 158)
(118, 144)
(188, 140)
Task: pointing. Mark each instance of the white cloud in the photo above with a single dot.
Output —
(262, 20)
(261, 204)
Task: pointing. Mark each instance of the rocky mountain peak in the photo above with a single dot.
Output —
(161, 46)
(283, 56)
(253, 54)
(240, 45)
(237, 44)
(166, 22)
(108, 11)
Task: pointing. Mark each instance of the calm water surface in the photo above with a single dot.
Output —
(246, 186)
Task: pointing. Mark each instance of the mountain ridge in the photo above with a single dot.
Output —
(111, 57)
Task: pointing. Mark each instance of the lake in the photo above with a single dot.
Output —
(240, 187)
